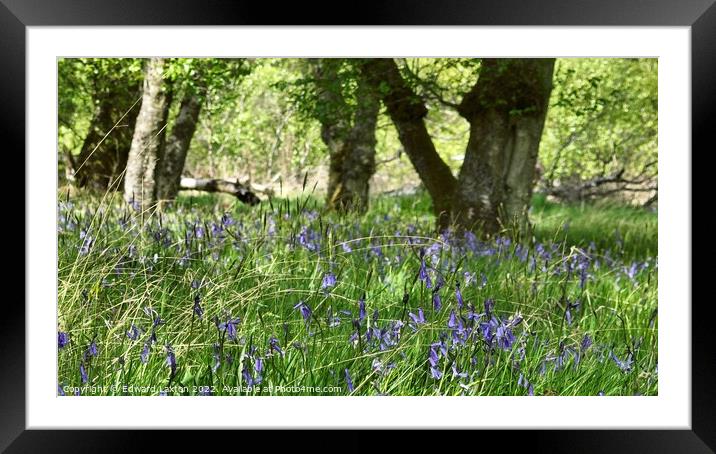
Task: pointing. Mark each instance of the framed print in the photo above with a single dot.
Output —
(434, 216)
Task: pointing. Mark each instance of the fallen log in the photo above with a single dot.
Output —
(238, 190)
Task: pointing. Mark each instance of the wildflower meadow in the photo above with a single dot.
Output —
(214, 298)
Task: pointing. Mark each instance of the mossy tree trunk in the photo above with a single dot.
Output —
(506, 110)
(102, 159)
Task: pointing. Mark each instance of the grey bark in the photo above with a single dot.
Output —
(103, 156)
(349, 135)
(358, 152)
(172, 161)
(506, 110)
(148, 139)
(407, 111)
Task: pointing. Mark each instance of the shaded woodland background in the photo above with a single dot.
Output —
(480, 136)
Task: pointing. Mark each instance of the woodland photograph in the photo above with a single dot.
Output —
(357, 226)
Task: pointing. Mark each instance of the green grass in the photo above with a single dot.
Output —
(259, 271)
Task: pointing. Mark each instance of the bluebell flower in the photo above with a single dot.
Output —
(62, 339)
(329, 281)
(91, 350)
(433, 357)
(133, 332)
(144, 356)
(171, 360)
(489, 305)
(60, 391)
(586, 343)
(504, 337)
(83, 373)
(361, 309)
(349, 381)
(305, 310)
(230, 327)
(437, 302)
(625, 365)
(423, 274)
(456, 373)
(418, 319)
(452, 322)
(198, 311)
(458, 295)
(436, 373)
(274, 346)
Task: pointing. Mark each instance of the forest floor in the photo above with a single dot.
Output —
(214, 297)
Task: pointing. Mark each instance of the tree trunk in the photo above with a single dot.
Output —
(356, 166)
(148, 139)
(172, 161)
(506, 110)
(103, 157)
(332, 113)
(407, 111)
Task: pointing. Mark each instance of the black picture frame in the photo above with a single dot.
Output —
(700, 15)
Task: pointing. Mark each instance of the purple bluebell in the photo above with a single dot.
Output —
(433, 357)
(504, 337)
(60, 391)
(91, 350)
(437, 302)
(274, 346)
(456, 373)
(246, 375)
(133, 332)
(436, 373)
(305, 310)
(586, 343)
(329, 281)
(624, 365)
(423, 274)
(418, 319)
(230, 327)
(198, 311)
(452, 322)
(458, 296)
(171, 360)
(349, 381)
(62, 339)
(489, 305)
(308, 239)
(144, 356)
(361, 309)
(83, 373)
